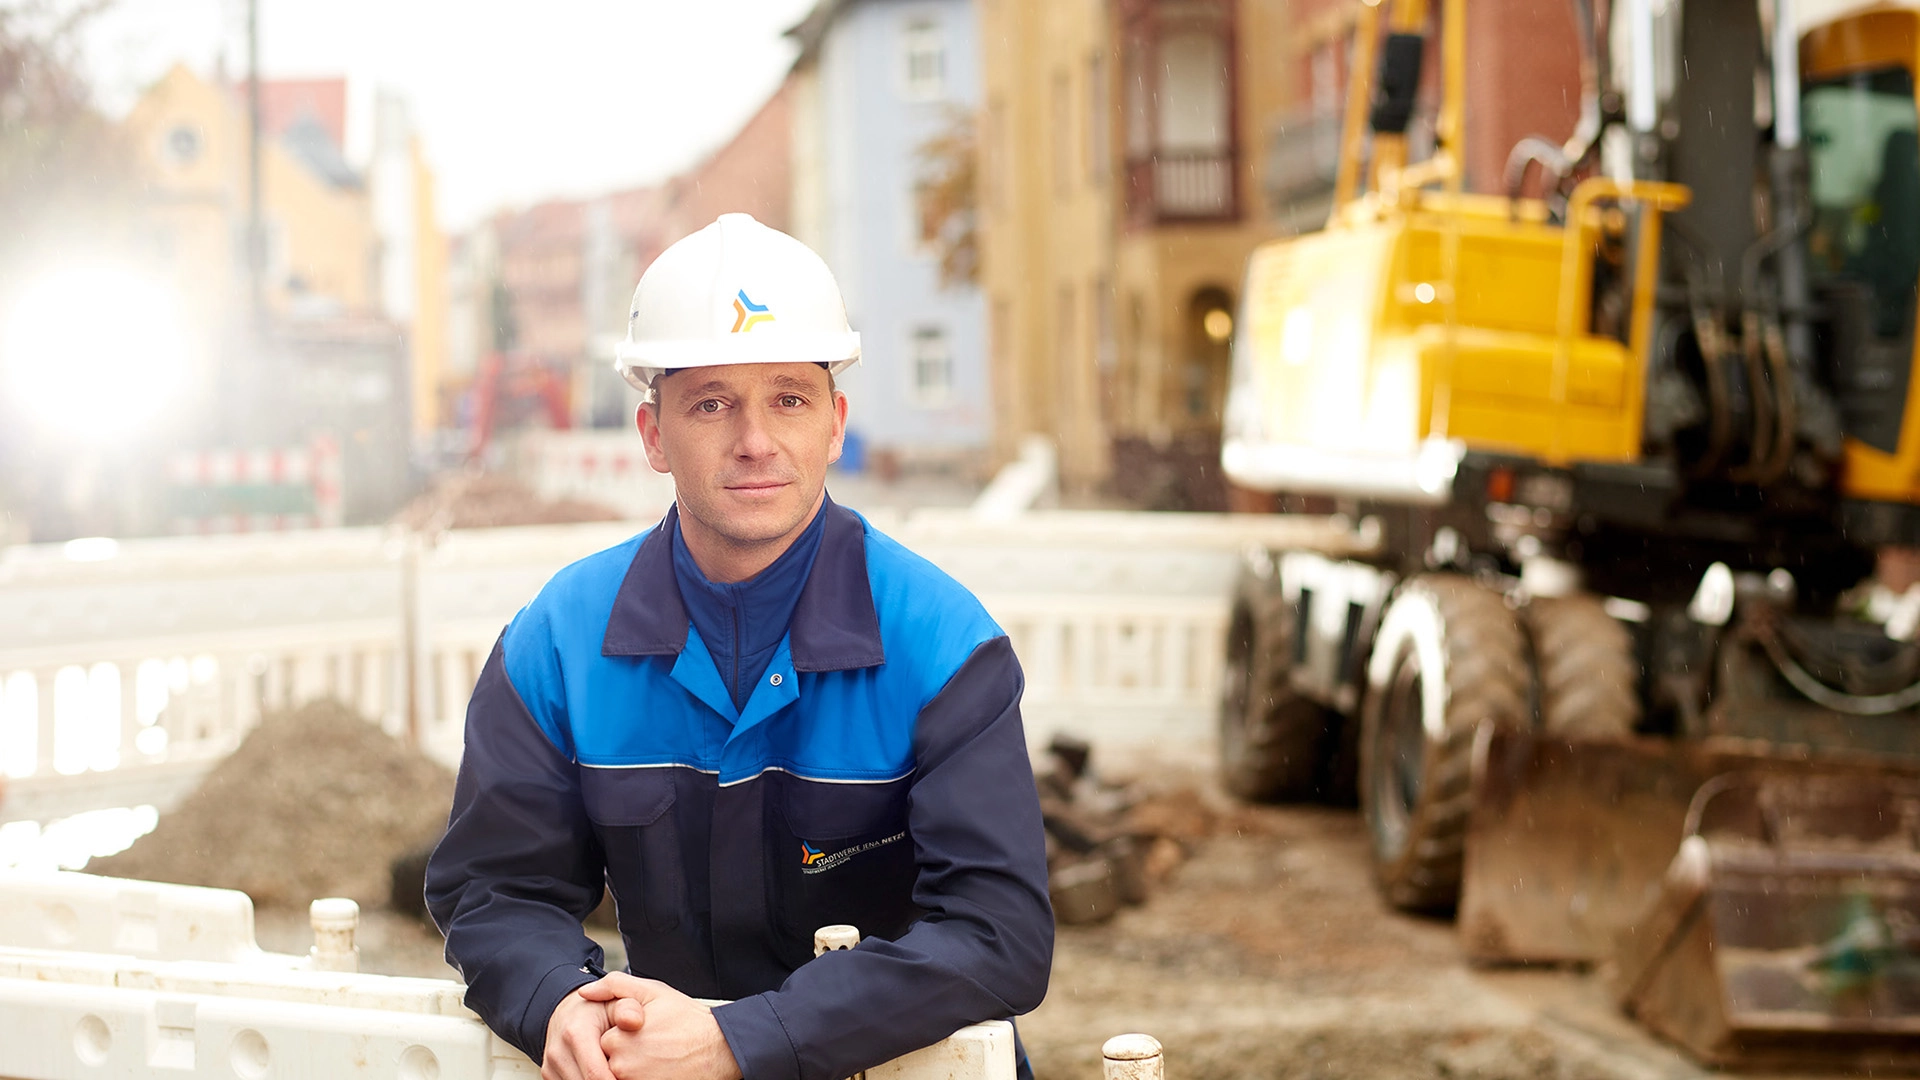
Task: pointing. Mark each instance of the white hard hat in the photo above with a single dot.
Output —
(736, 292)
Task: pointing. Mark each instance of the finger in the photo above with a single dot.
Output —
(587, 1055)
(627, 1014)
(615, 984)
(611, 1041)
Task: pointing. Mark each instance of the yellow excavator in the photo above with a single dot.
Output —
(1618, 686)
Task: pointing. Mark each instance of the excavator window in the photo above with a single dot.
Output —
(1864, 160)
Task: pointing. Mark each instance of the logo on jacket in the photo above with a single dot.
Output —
(814, 860)
(747, 314)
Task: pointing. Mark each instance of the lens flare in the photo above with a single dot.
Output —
(93, 354)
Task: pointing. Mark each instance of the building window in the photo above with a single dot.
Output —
(1063, 141)
(1099, 121)
(1066, 351)
(182, 146)
(1003, 380)
(924, 55)
(1181, 152)
(1105, 351)
(1303, 154)
(1105, 354)
(932, 367)
(995, 156)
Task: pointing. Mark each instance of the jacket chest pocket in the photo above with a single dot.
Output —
(849, 858)
(633, 812)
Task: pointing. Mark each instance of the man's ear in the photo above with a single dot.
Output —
(839, 427)
(647, 419)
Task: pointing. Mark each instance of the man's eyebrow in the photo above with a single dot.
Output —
(788, 382)
(711, 386)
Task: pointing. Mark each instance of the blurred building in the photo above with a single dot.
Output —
(1122, 191)
(413, 251)
(321, 245)
(874, 84)
(353, 293)
(340, 241)
(547, 287)
(1134, 152)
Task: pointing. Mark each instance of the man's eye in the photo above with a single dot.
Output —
(792, 401)
(711, 405)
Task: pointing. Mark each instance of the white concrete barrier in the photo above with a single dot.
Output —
(127, 670)
(138, 980)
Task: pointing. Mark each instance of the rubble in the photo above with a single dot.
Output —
(315, 802)
(1106, 845)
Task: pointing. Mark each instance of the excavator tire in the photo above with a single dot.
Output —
(1586, 668)
(1450, 656)
(1273, 741)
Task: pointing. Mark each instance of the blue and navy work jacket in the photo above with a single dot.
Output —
(877, 775)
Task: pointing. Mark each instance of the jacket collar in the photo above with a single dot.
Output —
(834, 627)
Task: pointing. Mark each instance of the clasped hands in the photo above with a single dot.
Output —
(628, 1028)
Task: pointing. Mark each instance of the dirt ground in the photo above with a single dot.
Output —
(1265, 955)
(1268, 955)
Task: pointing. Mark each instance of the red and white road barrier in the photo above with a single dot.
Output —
(308, 474)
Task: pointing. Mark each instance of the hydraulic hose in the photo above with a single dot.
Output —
(1826, 696)
(1775, 424)
(1785, 646)
(1707, 335)
(1760, 449)
(1559, 160)
(1786, 401)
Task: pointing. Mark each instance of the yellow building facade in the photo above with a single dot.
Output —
(191, 138)
(1046, 203)
(429, 342)
(323, 242)
(1124, 149)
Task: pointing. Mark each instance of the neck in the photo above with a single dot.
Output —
(725, 560)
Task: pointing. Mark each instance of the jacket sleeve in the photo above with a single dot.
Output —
(985, 947)
(518, 869)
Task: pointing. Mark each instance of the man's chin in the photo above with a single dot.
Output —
(759, 519)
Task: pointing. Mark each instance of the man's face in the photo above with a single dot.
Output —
(748, 446)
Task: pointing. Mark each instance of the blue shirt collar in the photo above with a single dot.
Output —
(834, 626)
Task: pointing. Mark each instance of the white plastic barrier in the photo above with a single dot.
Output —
(127, 670)
(189, 994)
(608, 467)
(141, 919)
(126, 673)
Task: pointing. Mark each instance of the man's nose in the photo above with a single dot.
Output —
(752, 439)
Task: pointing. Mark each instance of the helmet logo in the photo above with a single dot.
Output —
(747, 314)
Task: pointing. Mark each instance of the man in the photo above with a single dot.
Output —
(758, 718)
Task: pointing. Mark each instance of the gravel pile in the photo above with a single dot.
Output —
(485, 501)
(316, 802)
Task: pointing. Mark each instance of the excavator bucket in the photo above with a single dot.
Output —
(1568, 841)
(1786, 930)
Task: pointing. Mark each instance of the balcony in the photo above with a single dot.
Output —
(1181, 187)
(1181, 113)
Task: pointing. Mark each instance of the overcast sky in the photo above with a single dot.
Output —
(516, 101)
